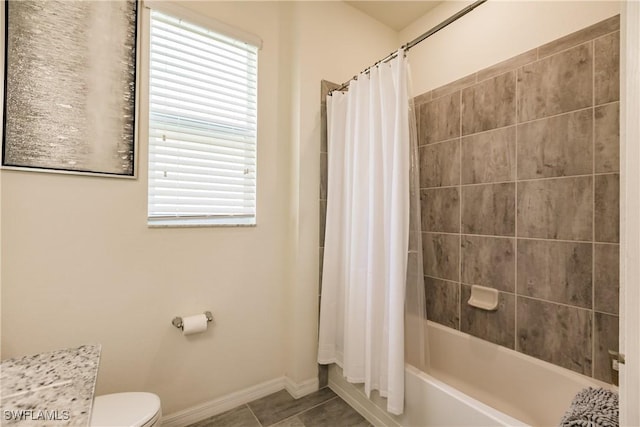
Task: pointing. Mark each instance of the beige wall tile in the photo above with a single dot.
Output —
(557, 84)
(567, 129)
(555, 333)
(488, 261)
(440, 164)
(489, 156)
(442, 301)
(556, 208)
(489, 104)
(607, 68)
(441, 255)
(441, 209)
(555, 271)
(607, 208)
(440, 119)
(323, 220)
(607, 138)
(495, 326)
(557, 146)
(489, 209)
(606, 278)
(606, 331)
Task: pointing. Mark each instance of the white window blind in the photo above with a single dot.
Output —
(202, 125)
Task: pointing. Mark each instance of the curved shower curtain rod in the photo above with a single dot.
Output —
(417, 40)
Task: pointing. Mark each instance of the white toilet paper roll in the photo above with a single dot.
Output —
(194, 324)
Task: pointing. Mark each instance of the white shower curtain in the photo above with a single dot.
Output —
(367, 231)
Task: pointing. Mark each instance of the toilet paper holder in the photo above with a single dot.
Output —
(177, 321)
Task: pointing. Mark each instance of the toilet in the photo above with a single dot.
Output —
(134, 409)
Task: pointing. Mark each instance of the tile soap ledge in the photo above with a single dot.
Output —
(53, 387)
(483, 298)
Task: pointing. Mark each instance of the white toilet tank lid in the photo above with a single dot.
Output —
(124, 409)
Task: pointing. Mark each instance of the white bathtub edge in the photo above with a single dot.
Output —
(376, 415)
(359, 401)
(499, 417)
(558, 370)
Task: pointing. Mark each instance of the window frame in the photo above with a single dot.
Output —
(214, 25)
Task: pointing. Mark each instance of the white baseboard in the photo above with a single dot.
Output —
(356, 398)
(235, 399)
(297, 390)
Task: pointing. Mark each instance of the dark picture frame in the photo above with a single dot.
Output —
(70, 89)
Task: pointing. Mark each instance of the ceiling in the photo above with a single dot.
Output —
(395, 14)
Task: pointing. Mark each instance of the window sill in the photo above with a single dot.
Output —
(200, 222)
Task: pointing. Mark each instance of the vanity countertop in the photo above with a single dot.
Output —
(54, 388)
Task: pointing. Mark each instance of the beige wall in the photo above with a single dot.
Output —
(495, 31)
(333, 41)
(81, 266)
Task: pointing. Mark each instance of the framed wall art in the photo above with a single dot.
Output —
(70, 86)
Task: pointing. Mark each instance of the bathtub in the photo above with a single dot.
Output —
(472, 383)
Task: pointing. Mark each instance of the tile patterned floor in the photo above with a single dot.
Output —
(320, 409)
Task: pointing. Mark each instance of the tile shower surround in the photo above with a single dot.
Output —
(325, 88)
(519, 191)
